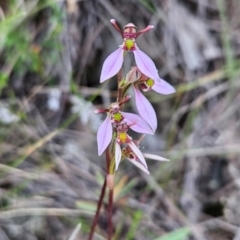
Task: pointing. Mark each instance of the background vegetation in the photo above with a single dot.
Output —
(51, 54)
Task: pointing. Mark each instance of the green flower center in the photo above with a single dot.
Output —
(117, 117)
(150, 82)
(129, 44)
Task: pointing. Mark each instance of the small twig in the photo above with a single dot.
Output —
(217, 223)
(232, 149)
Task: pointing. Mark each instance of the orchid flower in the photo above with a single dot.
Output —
(135, 157)
(132, 152)
(146, 83)
(114, 61)
(113, 119)
(124, 138)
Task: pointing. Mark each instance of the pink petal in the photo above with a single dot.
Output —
(112, 65)
(145, 109)
(155, 157)
(138, 153)
(145, 64)
(163, 87)
(104, 135)
(118, 155)
(141, 126)
(138, 164)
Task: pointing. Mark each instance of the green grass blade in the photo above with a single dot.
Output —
(179, 234)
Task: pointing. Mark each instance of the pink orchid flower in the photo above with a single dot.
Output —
(114, 118)
(124, 139)
(131, 150)
(114, 61)
(135, 152)
(146, 83)
(136, 157)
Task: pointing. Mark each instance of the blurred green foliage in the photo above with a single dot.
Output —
(25, 47)
(179, 234)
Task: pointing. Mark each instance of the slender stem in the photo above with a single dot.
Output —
(110, 207)
(110, 185)
(108, 162)
(108, 159)
(100, 202)
(119, 94)
(119, 75)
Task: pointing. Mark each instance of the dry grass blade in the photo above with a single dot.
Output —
(30, 149)
(21, 212)
(17, 172)
(75, 232)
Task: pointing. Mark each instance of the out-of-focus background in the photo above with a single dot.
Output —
(51, 54)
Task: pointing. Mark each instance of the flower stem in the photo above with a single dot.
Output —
(100, 202)
(110, 207)
(120, 93)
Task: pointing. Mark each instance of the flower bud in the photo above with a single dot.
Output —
(133, 75)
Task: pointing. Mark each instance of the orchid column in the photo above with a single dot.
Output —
(113, 137)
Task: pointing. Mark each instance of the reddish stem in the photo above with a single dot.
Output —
(100, 202)
(110, 207)
(120, 93)
(108, 163)
(108, 159)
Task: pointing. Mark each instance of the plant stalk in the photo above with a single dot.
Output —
(110, 208)
(100, 202)
(120, 93)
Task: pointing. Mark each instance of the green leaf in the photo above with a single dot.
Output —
(87, 206)
(148, 5)
(136, 220)
(179, 234)
(3, 80)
